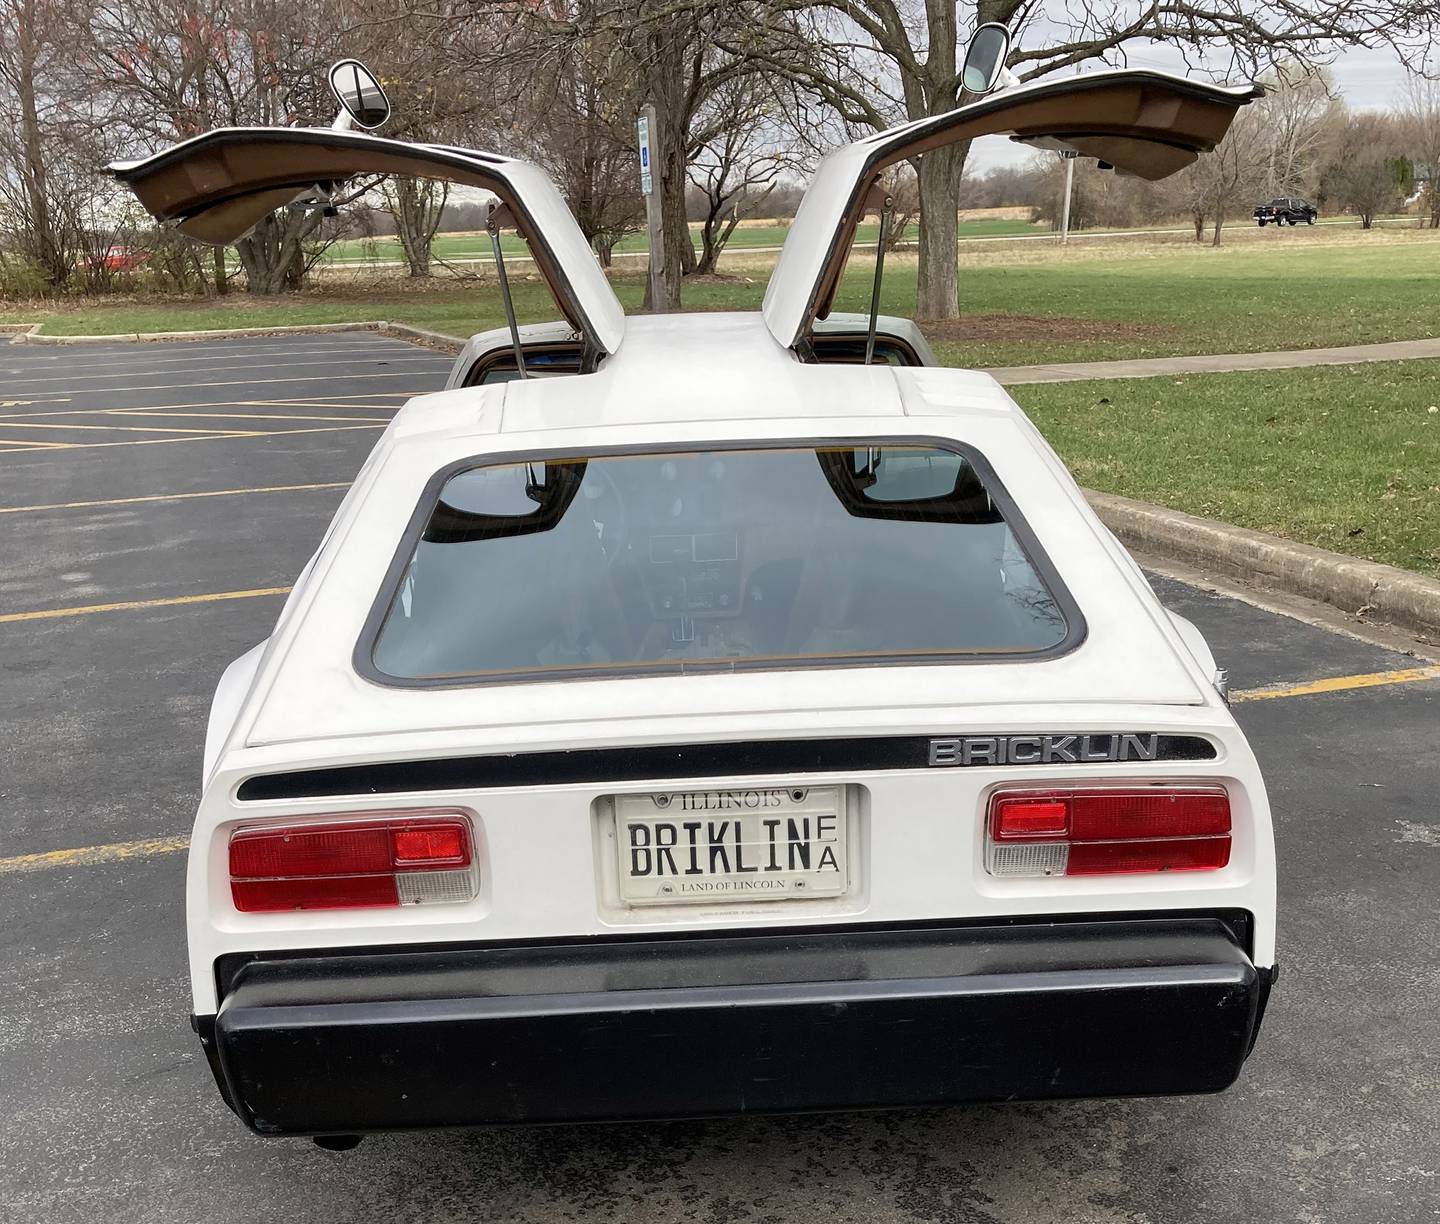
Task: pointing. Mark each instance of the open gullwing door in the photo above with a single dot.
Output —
(1149, 124)
(216, 187)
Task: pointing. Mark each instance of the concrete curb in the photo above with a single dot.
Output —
(33, 336)
(1364, 589)
(421, 335)
(29, 333)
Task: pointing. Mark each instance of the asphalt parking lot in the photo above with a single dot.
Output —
(154, 502)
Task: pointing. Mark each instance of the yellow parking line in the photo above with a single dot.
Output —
(224, 366)
(166, 497)
(253, 382)
(171, 429)
(207, 404)
(84, 856)
(216, 436)
(130, 605)
(223, 416)
(1339, 684)
(316, 404)
(26, 416)
(347, 396)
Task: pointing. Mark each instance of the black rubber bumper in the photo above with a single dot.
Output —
(754, 1023)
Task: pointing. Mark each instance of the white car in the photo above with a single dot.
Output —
(723, 726)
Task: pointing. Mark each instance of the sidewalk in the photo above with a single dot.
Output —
(1220, 363)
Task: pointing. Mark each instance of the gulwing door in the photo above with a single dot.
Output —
(1148, 124)
(216, 187)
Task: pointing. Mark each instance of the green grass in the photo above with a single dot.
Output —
(746, 237)
(471, 246)
(1341, 457)
(1347, 458)
(1133, 298)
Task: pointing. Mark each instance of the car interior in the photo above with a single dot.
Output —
(721, 557)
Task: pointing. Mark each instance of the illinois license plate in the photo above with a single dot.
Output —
(756, 844)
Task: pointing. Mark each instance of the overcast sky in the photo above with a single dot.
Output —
(1367, 80)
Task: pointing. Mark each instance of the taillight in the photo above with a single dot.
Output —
(368, 862)
(1107, 831)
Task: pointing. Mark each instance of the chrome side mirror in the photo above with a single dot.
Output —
(984, 68)
(361, 97)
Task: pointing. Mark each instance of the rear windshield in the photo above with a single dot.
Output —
(724, 559)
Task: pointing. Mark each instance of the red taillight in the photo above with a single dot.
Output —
(1108, 831)
(352, 864)
(1022, 819)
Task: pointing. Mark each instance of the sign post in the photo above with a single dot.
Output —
(647, 131)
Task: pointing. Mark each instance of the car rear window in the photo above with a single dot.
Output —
(779, 557)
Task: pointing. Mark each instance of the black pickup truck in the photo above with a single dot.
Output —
(1286, 209)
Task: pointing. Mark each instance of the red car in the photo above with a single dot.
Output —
(118, 258)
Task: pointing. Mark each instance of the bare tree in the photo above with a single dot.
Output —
(1419, 111)
(672, 54)
(737, 165)
(416, 206)
(584, 135)
(48, 201)
(175, 68)
(1366, 167)
(1301, 115)
(878, 61)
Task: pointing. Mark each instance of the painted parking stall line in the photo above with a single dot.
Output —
(85, 856)
(1340, 684)
(23, 382)
(134, 605)
(172, 497)
(218, 436)
(89, 856)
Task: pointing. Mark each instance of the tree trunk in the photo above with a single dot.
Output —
(679, 251)
(272, 254)
(1366, 220)
(416, 205)
(1219, 224)
(715, 233)
(1199, 219)
(46, 247)
(222, 283)
(937, 293)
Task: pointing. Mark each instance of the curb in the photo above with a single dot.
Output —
(420, 335)
(1363, 589)
(33, 336)
(29, 333)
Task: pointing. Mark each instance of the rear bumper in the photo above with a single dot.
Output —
(753, 1023)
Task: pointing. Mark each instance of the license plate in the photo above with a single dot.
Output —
(754, 844)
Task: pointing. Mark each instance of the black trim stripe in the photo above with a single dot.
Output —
(690, 762)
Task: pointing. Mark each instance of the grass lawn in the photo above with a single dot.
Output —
(470, 246)
(1268, 289)
(1341, 457)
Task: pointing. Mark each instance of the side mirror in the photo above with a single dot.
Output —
(985, 59)
(360, 95)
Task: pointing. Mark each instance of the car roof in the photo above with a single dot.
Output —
(652, 380)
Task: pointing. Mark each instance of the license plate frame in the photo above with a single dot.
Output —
(732, 845)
